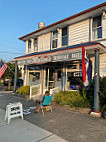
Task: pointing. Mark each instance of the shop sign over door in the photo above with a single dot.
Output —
(66, 57)
(52, 58)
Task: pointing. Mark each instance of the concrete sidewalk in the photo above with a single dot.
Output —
(22, 131)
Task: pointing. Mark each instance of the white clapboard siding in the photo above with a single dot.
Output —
(93, 61)
(102, 67)
(40, 43)
(79, 32)
(103, 42)
(46, 44)
(103, 64)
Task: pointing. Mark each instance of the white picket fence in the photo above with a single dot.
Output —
(54, 90)
(35, 90)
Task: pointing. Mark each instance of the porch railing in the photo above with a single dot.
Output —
(54, 90)
(35, 90)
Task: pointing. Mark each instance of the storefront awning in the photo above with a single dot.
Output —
(60, 54)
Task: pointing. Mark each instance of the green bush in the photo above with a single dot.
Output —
(102, 93)
(8, 89)
(72, 98)
(25, 90)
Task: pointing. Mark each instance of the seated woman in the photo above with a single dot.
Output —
(40, 102)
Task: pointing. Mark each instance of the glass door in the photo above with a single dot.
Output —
(50, 76)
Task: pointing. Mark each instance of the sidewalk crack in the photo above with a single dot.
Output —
(44, 138)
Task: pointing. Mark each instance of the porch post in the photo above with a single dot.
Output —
(15, 77)
(48, 80)
(64, 77)
(96, 83)
(42, 78)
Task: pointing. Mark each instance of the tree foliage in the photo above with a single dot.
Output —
(9, 72)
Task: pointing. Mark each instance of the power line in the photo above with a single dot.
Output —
(10, 52)
(12, 47)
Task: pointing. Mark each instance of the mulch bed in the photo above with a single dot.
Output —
(75, 109)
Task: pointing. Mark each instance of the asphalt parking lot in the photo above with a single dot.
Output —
(69, 125)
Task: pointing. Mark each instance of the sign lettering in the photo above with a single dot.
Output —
(53, 58)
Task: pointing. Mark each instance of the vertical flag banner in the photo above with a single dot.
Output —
(86, 69)
(3, 68)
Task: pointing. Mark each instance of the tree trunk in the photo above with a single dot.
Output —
(9, 83)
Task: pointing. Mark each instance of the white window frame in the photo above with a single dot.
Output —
(54, 39)
(36, 45)
(64, 37)
(29, 46)
(95, 29)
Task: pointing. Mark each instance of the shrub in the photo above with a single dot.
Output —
(72, 98)
(102, 93)
(8, 89)
(25, 90)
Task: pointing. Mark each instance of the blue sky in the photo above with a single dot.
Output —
(20, 17)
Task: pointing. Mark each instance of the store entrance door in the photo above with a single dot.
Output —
(50, 77)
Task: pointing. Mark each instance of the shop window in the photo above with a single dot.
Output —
(34, 78)
(58, 75)
(35, 45)
(55, 39)
(74, 79)
(72, 66)
(97, 27)
(37, 67)
(29, 46)
(64, 36)
(80, 66)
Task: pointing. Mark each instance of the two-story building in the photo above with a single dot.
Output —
(53, 53)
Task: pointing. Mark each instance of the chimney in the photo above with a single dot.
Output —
(41, 25)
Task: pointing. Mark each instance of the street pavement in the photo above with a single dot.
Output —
(60, 125)
(22, 131)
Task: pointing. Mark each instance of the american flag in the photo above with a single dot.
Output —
(3, 68)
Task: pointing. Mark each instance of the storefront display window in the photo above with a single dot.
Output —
(32, 67)
(72, 66)
(34, 78)
(74, 79)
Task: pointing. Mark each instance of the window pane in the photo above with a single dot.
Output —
(58, 75)
(72, 66)
(55, 35)
(64, 31)
(29, 49)
(34, 78)
(35, 48)
(64, 40)
(95, 33)
(99, 32)
(29, 43)
(97, 22)
(54, 43)
(35, 41)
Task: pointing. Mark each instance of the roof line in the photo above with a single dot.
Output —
(68, 18)
(60, 49)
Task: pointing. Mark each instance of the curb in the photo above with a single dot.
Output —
(5, 92)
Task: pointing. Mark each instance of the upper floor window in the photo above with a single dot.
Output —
(55, 39)
(64, 36)
(29, 46)
(35, 45)
(97, 27)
